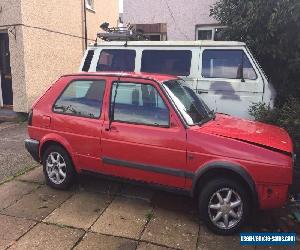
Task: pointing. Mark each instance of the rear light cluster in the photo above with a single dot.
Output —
(30, 117)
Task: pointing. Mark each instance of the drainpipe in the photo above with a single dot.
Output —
(85, 24)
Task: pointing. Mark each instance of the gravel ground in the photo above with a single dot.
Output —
(13, 156)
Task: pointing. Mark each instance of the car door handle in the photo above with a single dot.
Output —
(202, 92)
(112, 129)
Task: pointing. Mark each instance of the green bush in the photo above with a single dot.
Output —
(286, 116)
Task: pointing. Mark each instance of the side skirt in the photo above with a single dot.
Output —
(155, 186)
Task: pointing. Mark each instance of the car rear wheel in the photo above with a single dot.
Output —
(224, 206)
(58, 168)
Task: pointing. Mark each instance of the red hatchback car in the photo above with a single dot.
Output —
(154, 129)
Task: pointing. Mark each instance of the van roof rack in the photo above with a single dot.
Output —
(127, 33)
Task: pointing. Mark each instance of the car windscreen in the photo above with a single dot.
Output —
(189, 104)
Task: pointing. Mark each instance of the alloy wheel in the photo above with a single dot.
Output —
(56, 168)
(225, 208)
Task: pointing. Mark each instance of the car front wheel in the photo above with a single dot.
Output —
(58, 168)
(224, 206)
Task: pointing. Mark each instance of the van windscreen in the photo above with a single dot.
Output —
(116, 60)
(173, 62)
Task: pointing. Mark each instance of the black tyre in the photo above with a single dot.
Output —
(224, 206)
(58, 168)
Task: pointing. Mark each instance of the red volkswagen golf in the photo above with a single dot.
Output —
(154, 129)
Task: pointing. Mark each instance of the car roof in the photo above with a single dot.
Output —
(142, 75)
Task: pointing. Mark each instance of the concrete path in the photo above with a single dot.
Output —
(13, 155)
(101, 214)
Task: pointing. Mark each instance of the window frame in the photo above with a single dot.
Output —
(90, 6)
(223, 49)
(65, 88)
(212, 28)
(136, 123)
(104, 50)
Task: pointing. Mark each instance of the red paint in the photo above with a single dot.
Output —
(251, 131)
(178, 148)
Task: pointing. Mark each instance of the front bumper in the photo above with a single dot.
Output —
(32, 147)
(272, 196)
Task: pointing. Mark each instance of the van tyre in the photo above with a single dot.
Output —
(58, 168)
(224, 206)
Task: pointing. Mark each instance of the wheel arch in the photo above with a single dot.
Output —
(53, 139)
(224, 169)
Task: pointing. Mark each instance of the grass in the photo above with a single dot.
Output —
(149, 215)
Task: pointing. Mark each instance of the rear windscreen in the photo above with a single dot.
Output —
(173, 62)
(116, 60)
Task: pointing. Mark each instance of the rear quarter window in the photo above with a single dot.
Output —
(81, 98)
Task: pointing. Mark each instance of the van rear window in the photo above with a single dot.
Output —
(173, 62)
(116, 60)
(232, 64)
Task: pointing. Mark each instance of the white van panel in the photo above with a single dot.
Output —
(231, 96)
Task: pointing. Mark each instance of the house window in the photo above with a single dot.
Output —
(205, 34)
(208, 32)
(89, 4)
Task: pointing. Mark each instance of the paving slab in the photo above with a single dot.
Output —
(136, 192)
(38, 204)
(12, 229)
(81, 210)
(45, 237)
(210, 241)
(13, 155)
(124, 217)
(95, 241)
(149, 246)
(12, 191)
(173, 229)
(170, 201)
(98, 185)
(36, 175)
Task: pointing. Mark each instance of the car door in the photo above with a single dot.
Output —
(144, 141)
(229, 82)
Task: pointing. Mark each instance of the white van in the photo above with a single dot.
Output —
(223, 73)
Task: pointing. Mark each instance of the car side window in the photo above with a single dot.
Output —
(81, 98)
(232, 64)
(138, 103)
(173, 62)
(116, 60)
